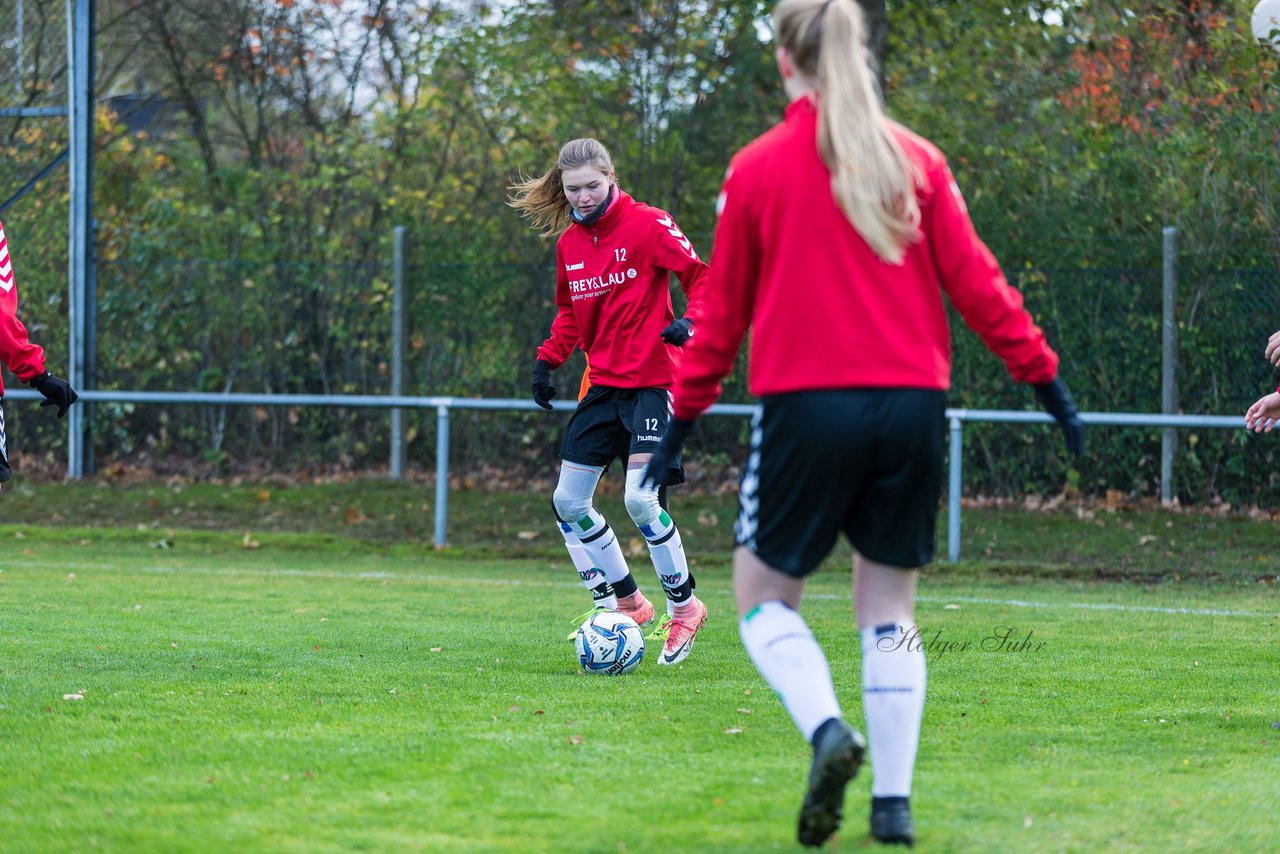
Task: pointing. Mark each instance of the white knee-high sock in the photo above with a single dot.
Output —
(893, 681)
(599, 541)
(790, 660)
(592, 576)
(666, 550)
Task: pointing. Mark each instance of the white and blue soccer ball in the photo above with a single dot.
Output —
(611, 643)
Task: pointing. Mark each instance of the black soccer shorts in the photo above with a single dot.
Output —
(865, 462)
(618, 422)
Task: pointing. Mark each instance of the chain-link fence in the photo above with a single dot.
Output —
(33, 188)
(472, 330)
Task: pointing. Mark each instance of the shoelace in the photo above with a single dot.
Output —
(662, 630)
(582, 618)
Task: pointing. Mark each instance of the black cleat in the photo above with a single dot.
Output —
(838, 750)
(891, 821)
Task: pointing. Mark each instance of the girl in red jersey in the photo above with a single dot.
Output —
(25, 359)
(838, 231)
(614, 260)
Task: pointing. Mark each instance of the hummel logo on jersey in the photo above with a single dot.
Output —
(571, 267)
(6, 264)
(674, 230)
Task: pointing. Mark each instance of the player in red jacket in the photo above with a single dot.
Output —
(25, 359)
(614, 261)
(838, 232)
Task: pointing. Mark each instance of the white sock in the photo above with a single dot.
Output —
(666, 550)
(893, 679)
(790, 660)
(592, 576)
(601, 544)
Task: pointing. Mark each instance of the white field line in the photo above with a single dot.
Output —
(377, 575)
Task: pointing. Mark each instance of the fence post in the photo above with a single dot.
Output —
(953, 493)
(80, 179)
(442, 473)
(397, 353)
(1168, 361)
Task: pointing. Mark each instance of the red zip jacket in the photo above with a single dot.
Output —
(826, 311)
(25, 359)
(613, 292)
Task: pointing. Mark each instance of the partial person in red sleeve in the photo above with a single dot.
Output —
(838, 232)
(25, 359)
(614, 261)
(1265, 413)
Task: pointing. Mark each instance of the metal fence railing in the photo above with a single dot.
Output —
(956, 419)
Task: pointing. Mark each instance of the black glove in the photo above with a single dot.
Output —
(543, 390)
(678, 331)
(57, 392)
(657, 473)
(1057, 401)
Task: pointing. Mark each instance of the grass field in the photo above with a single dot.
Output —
(169, 689)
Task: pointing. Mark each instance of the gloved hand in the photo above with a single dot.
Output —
(678, 331)
(657, 472)
(543, 390)
(1057, 401)
(57, 392)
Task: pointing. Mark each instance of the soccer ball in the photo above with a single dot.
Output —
(611, 643)
(1266, 22)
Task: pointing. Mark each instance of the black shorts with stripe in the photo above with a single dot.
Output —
(5, 471)
(865, 462)
(612, 423)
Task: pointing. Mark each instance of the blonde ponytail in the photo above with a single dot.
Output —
(872, 179)
(542, 201)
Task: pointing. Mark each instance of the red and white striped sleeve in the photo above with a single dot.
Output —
(725, 307)
(25, 359)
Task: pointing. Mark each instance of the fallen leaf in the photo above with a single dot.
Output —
(73, 696)
(744, 711)
(574, 739)
(528, 535)
(437, 649)
(1026, 821)
(353, 516)
(733, 730)
(264, 495)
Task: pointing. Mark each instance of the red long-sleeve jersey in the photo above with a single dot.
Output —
(826, 311)
(613, 294)
(25, 359)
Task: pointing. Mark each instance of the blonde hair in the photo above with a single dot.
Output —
(872, 179)
(542, 200)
